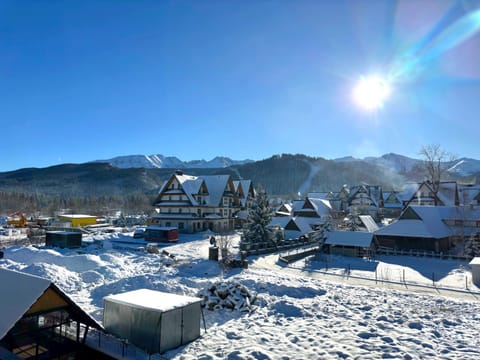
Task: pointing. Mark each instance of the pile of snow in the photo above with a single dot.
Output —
(223, 295)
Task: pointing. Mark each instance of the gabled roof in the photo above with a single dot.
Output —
(349, 238)
(322, 206)
(281, 221)
(284, 210)
(448, 193)
(469, 194)
(373, 192)
(429, 221)
(216, 185)
(247, 188)
(23, 292)
(297, 205)
(299, 223)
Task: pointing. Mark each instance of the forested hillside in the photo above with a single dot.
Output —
(99, 187)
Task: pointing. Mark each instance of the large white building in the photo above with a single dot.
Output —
(199, 203)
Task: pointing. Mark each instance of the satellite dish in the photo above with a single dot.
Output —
(213, 241)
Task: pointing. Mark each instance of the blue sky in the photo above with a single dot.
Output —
(86, 80)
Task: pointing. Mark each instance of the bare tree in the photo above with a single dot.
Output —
(435, 163)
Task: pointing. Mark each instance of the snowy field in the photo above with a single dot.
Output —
(308, 310)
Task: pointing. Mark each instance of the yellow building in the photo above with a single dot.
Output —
(78, 220)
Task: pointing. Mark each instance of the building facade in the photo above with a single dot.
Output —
(200, 203)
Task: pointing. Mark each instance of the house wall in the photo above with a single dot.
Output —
(414, 243)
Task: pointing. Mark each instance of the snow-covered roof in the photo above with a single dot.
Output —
(468, 194)
(216, 185)
(190, 184)
(322, 206)
(369, 223)
(302, 223)
(447, 193)
(77, 216)
(281, 221)
(152, 300)
(447, 212)
(297, 205)
(246, 185)
(432, 221)
(284, 209)
(416, 228)
(475, 261)
(349, 238)
(23, 291)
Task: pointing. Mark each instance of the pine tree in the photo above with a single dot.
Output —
(256, 230)
(472, 245)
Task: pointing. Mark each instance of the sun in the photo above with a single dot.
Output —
(371, 92)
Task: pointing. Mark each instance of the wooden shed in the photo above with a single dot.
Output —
(152, 320)
(350, 243)
(39, 321)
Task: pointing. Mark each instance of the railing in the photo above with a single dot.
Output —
(269, 247)
(117, 348)
(421, 253)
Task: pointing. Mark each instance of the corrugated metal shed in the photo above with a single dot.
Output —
(153, 320)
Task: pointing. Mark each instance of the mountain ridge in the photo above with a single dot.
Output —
(159, 161)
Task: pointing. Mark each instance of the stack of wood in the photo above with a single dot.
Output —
(228, 296)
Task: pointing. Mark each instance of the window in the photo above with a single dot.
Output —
(180, 210)
(168, 224)
(181, 225)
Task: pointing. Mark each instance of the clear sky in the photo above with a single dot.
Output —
(86, 80)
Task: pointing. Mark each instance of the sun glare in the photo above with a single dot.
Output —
(371, 92)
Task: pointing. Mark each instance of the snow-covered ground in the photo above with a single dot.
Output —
(308, 310)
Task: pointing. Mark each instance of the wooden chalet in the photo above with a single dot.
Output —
(432, 228)
(199, 203)
(446, 195)
(365, 200)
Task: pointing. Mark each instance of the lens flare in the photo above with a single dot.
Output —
(371, 92)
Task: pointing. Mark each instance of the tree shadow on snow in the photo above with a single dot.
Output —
(426, 266)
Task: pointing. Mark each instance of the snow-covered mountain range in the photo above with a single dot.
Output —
(403, 164)
(392, 162)
(169, 162)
